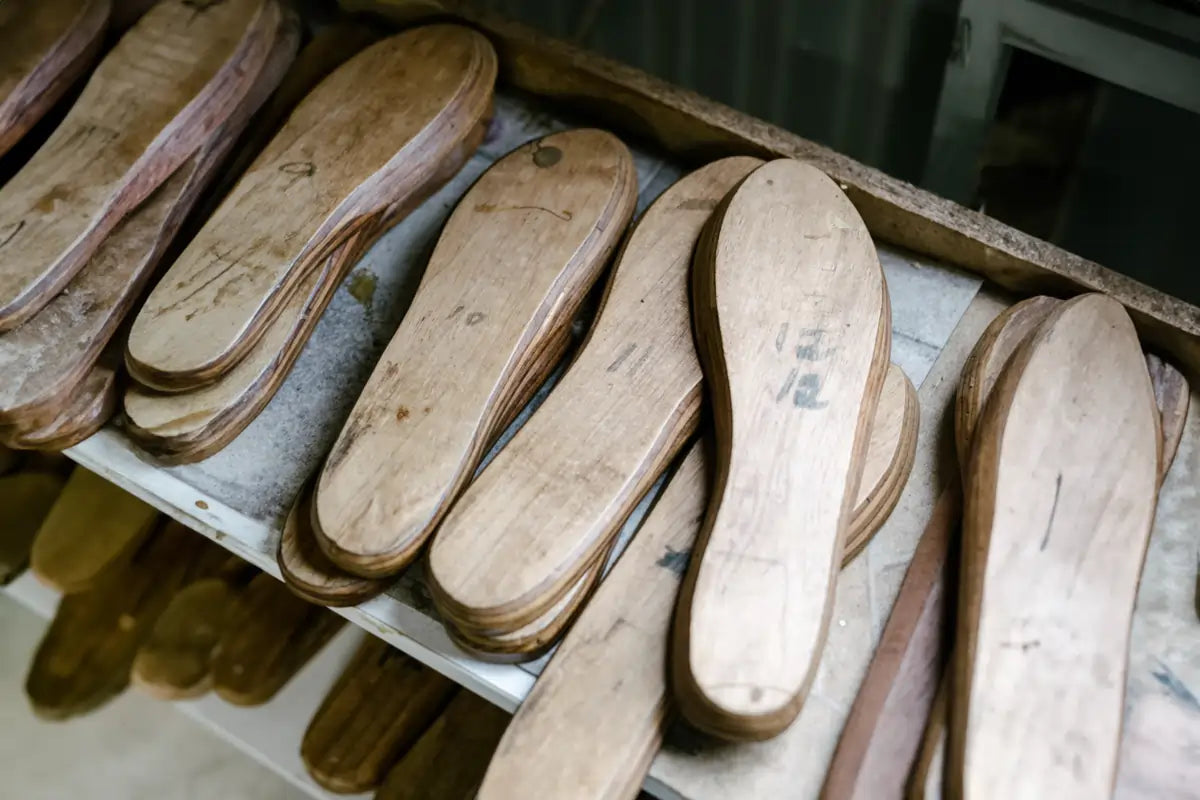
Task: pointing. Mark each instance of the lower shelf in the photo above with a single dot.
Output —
(270, 734)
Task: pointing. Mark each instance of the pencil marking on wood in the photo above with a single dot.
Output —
(787, 385)
(1024, 646)
(807, 389)
(625, 353)
(1053, 511)
(781, 338)
(457, 310)
(13, 233)
(1170, 681)
(697, 204)
(487, 208)
(475, 317)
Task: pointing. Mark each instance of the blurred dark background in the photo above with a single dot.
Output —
(1075, 120)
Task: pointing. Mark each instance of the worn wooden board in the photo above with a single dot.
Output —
(334, 168)
(380, 706)
(510, 271)
(46, 45)
(1054, 533)
(93, 404)
(156, 98)
(788, 294)
(92, 529)
(558, 493)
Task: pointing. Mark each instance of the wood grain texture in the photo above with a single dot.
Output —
(560, 490)
(792, 320)
(84, 659)
(694, 128)
(153, 101)
(1055, 531)
(25, 499)
(273, 636)
(46, 45)
(448, 761)
(48, 357)
(91, 530)
(92, 405)
(510, 270)
(306, 569)
(1172, 396)
(379, 707)
(929, 770)
(175, 660)
(345, 160)
(595, 719)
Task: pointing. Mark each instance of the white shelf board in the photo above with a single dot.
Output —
(269, 733)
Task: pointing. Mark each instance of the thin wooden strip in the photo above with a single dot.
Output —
(788, 294)
(308, 572)
(273, 637)
(448, 762)
(1172, 395)
(190, 426)
(1056, 531)
(49, 356)
(25, 500)
(378, 709)
(84, 659)
(89, 532)
(560, 490)
(46, 45)
(175, 660)
(149, 106)
(511, 268)
(929, 770)
(342, 159)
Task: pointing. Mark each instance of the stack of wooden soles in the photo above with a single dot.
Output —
(521, 550)
(45, 47)
(788, 294)
(596, 717)
(146, 599)
(392, 724)
(220, 332)
(882, 749)
(93, 211)
(514, 263)
(28, 490)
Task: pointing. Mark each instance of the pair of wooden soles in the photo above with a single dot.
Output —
(793, 328)
(63, 359)
(155, 101)
(47, 45)
(347, 161)
(595, 719)
(439, 125)
(396, 725)
(491, 318)
(878, 751)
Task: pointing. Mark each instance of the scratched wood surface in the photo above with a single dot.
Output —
(46, 45)
(1048, 612)
(490, 320)
(347, 158)
(174, 662)
(597, 714)
(151, 103)
(92, 528)
(556, 496)
(379, 707)
(84, 659)
(448, 761)
(47, 358)
(26, 497)
(788, 292)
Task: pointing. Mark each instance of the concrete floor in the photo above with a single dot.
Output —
(131, 749)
